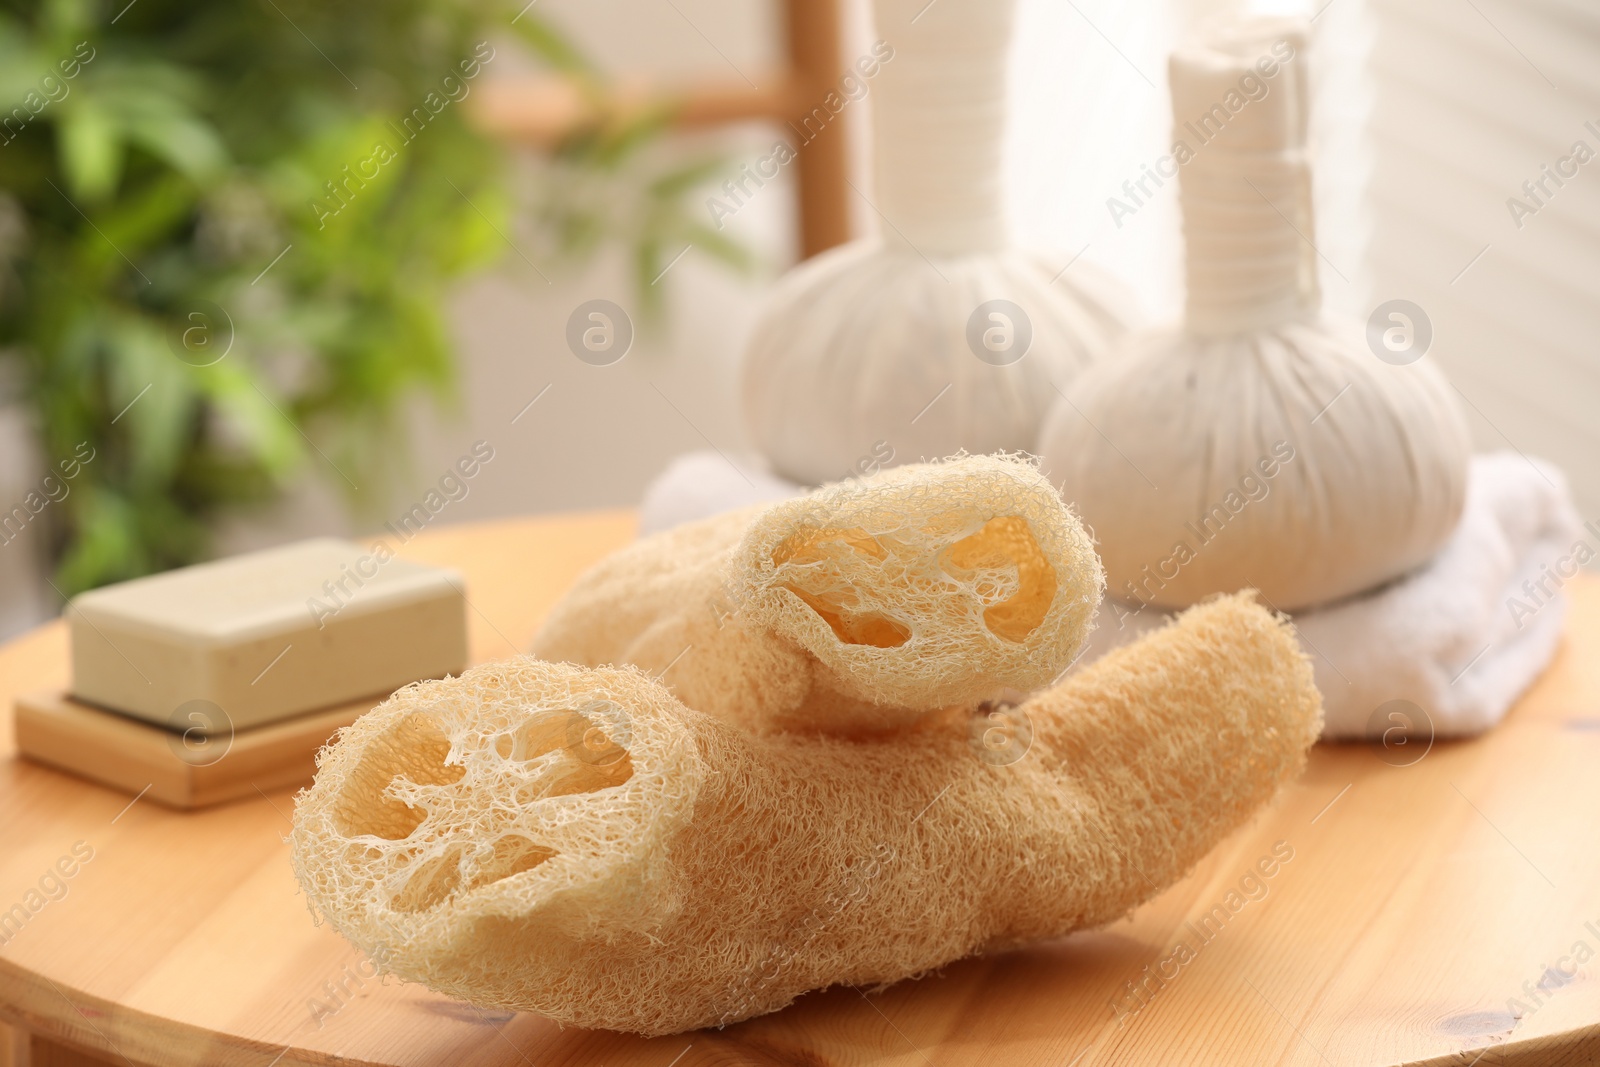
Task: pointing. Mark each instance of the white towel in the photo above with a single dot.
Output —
(1461, 638)
(697, 485)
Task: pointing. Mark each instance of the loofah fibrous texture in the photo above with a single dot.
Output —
(856, 609)
(578, 843)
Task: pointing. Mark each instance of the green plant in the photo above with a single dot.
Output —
(590, 193)
(290, 183)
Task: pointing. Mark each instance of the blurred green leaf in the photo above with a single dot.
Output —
(107, 545)
(251, 425)
(721, 247)
(91, 151)
(553, 47)
(180, 141)
(154, 393)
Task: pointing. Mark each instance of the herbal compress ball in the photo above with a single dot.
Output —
(857, 608)
(892, 342)
(1261, 443)
(577, 843)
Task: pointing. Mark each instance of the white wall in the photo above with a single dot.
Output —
(1474, 100)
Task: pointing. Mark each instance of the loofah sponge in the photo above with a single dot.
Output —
(855, 609)
(577, 843)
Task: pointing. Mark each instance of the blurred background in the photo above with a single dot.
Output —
(269, 270)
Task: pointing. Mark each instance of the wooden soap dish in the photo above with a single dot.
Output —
(181, 771)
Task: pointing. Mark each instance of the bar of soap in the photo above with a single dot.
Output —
(262, 637)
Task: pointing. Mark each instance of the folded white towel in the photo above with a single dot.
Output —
(697, 485)
(1461, 638)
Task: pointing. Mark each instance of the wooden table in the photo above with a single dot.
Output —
(1419, 900)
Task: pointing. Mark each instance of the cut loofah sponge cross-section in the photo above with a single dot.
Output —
(855, 609)
(576, 842)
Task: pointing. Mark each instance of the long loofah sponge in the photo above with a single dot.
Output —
(576, 842)
(855, 609)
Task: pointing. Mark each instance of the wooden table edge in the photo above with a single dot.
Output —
(149, 1040)
(98, 1031)
(1569, 1048)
